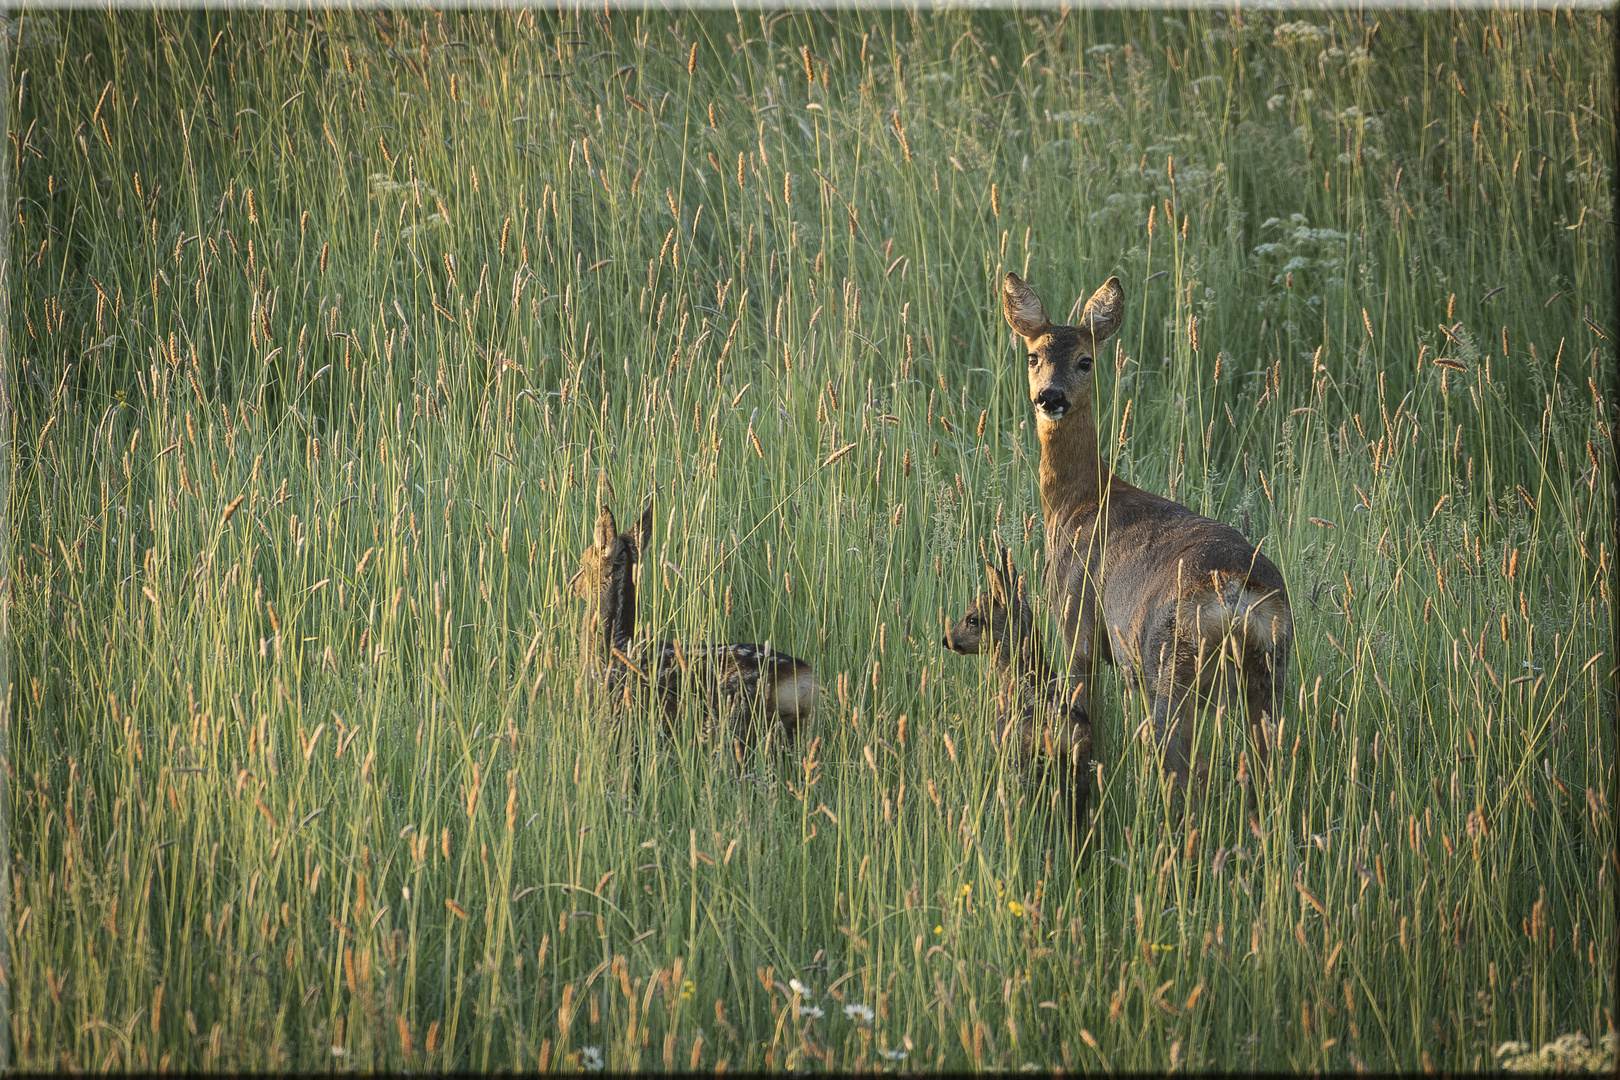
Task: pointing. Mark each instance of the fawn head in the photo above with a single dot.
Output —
(607, 573)
(1060, 357)
(996, 616)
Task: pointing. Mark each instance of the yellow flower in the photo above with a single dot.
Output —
(939, 929)
(964, 890)
(1015, 907)
(688, 988)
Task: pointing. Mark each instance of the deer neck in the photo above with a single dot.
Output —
(1022, 662)
(1072, 473)
(594, 643)
(610, 619)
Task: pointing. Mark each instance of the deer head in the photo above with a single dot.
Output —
(998, 618)
(1060, 357)
(606, 576)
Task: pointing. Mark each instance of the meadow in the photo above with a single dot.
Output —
(330, 332)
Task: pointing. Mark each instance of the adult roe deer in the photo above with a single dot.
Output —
(1179, 597)
(733, 683)
(1034, 703)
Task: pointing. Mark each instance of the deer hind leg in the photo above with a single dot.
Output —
(1265, 672)
(1072, 761)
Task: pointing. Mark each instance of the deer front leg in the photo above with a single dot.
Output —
(1175, 704)
(1080, 758)
(1082, 675)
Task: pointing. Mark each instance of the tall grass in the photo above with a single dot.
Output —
(331, 331)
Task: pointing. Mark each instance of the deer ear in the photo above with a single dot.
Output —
(1023, 308)
(998, 591)
(644, 528)
(1105, 311)
(1016, 586)
(607, 530)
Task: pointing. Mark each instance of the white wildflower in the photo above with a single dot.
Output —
(862, 1013)
(433, 221)
(1300, 33)
(814, 1012)
(590, 1058)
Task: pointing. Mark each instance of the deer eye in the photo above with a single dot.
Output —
(1034, 360)
(1084, 364)
(972, 620)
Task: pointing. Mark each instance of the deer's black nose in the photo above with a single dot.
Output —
(1053, 403)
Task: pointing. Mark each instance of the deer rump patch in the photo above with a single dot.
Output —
(741, 680)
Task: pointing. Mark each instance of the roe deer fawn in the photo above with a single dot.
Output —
(733, 683)
(1178, 596)
(1034, 702)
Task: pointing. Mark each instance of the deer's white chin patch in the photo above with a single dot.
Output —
(1056, 412)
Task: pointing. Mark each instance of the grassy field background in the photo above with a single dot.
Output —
(329, 333)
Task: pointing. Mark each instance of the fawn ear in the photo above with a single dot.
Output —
(644, 528)
(1022, 307)
(1105, 311)
(607, 530)
(998, 591)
